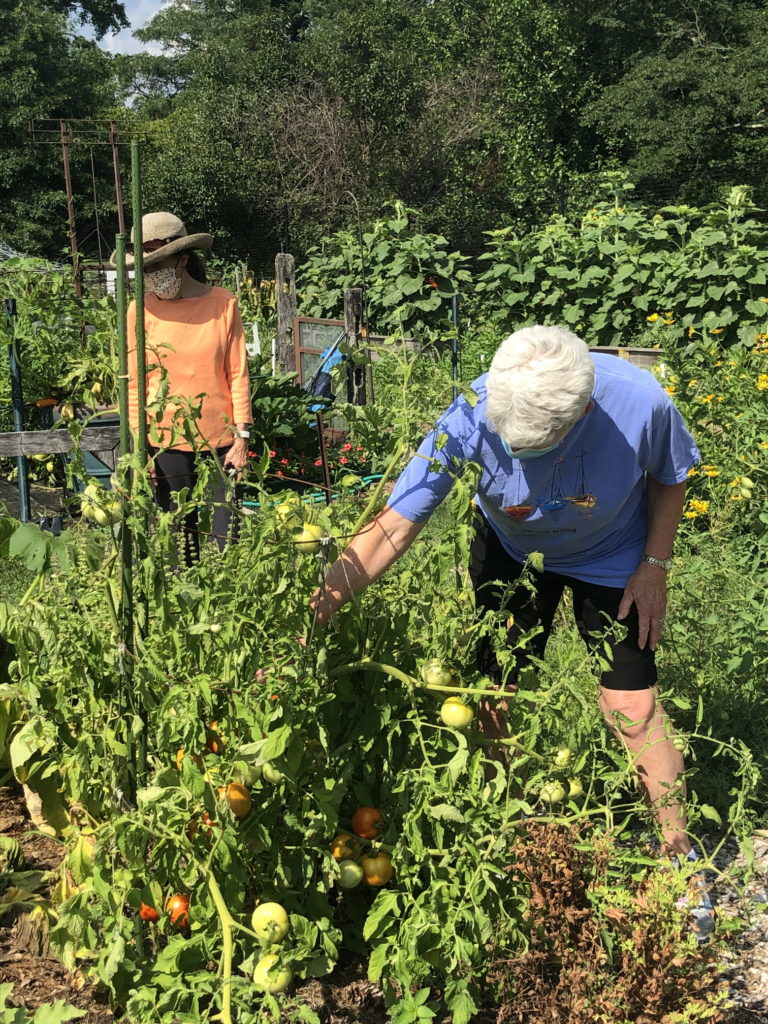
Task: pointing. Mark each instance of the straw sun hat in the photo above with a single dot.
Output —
(164, 235)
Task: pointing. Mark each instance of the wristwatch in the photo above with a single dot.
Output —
(663, 563)
(245, 434)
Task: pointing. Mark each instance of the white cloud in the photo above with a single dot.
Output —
(139, 13)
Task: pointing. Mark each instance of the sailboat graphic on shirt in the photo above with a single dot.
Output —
(583, 500)
(518, 511)
(556, 499)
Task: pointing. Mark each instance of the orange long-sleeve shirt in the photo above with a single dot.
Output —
(199, 343)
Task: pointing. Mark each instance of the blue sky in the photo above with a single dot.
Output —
(139, 12)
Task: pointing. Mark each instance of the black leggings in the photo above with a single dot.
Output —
(595, 607)
(177, 469)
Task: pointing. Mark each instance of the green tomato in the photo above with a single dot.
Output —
(288, 515)
(747, 483)
(271, 774)
(562, 757)
(270, 922)
(307, 538)
(456, 713)
(436, 673)
(350, 874)
(552, 793)
(269, 979)
(575, 789)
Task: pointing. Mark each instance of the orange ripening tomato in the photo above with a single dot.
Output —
(180, 758)
(239, 799)
(205, 820)
(346, 847)
(368, 822)
(178, 909)
(377, 868)
(147, 913)
(214, 741)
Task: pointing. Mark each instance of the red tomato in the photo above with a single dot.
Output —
(147, 913)
(178, 907)
(368, 822)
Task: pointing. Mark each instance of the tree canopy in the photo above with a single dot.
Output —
(268, 120)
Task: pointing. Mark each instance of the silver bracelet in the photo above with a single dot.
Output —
(662, 563)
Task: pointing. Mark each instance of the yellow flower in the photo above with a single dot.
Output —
(710, 471)
(670, 389)
(669, 323)
(764, 444)
(707, 398)
(737, 497)
(690, 515)
(693, 471)
(717, 330)
(762, 382)
(764, 300)
(698, 507)
(652, 318)
(735, 482)
(691, 332)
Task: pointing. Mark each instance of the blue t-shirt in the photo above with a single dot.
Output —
(583, 505)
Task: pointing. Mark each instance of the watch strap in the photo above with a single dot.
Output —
(662, 563)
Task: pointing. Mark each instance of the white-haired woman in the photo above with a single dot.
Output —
(584, 458)
(195, 347)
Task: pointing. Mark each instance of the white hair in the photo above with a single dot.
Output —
(539, 384)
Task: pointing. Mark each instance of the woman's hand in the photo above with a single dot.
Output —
(647, 590)
(237, 457)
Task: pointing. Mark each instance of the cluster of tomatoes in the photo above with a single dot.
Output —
(554, 792)
(454, 712)
(357, 859)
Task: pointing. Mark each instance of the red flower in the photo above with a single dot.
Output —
(359, 447)
(279, 472)
(317, 462)
(343, 460)
(272, 453)
(346, 447)
(283, 462)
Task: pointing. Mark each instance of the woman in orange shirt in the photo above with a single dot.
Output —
(196, 357)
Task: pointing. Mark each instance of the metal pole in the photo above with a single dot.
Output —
(17, 403)
(455, 345)
(324, 457)
(65, 140)
(96, 217)
(125, 482)
(141, 394)
(138, 266)
(118, 182)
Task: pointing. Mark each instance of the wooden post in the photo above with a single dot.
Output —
(285, 290)
(353, 325)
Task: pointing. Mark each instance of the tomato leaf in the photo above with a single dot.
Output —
(446, 812)
(386, 904)
(276, 743)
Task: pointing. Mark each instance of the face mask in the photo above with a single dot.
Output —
(528, 453)
(163, 283)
